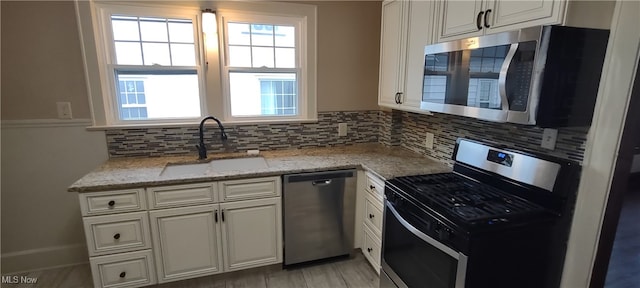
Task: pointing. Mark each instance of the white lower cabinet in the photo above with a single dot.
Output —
(251, 233)
(133, 269)
(188, 231)
(186, 242)
(372, 212)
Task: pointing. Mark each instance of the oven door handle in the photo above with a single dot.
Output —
(421, 235)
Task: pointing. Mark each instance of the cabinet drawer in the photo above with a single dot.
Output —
(182, 195)
(375, 185)
(371, 248)
(250, 188)
(109, 202)
(117, 233)
(373, 214)
(133, 269)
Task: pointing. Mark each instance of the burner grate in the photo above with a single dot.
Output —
(466, 199)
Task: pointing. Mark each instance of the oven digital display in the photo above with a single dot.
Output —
(500, 157)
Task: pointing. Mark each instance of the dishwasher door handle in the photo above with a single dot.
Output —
(321, 182)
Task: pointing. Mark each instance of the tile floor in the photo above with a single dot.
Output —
(341, 273)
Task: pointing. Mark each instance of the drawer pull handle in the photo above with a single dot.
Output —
(117, 236)
(222, 214)
(371, 216)
(216, 215)
(372, 187)
(123, 274)
(368, 250)
(111, 203)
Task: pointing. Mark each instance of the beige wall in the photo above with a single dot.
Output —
(41, 60)
(348, 55)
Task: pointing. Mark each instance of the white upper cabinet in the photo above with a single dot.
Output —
(392, 46)
(407, 26)
(463, 19)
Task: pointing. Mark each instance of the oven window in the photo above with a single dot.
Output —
(415, 261)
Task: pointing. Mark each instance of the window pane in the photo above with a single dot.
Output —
(262, 94)
(285, 57)
(262, 57)
(261, 35)
(156, 54)
(125, 30)
(239, 56)
(165, 95)
(181, 32)
(128, 53)
(183, 55)
(238, 33)
(153, 29)
(285, 36)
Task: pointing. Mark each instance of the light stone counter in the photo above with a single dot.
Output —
(124, 173)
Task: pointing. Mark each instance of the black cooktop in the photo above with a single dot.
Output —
(468, 201)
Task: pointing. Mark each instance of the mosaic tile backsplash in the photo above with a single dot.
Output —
(447, 128)
(363, 127)
(390, 128)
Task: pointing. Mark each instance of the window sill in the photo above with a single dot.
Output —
(195, 124)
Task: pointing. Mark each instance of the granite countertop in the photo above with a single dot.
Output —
(387, 163)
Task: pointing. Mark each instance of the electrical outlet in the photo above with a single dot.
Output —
(342, 129)
(64, 110)
(428, 141)
(549, 137)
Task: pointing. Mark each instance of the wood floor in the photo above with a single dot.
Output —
(354, 272)
(624, 264)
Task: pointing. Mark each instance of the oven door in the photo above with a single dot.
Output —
(410, 258)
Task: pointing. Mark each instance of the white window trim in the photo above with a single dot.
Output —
(213, 100)
(306, 94)
(107, 57)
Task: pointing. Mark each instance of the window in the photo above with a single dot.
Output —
(152, 55)
(149, 63)
(263, 71)
(278, 97)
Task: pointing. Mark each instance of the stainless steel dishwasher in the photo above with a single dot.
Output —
(319, 212)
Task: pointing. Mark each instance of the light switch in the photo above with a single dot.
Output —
(549, 137)
(342, 129)
(64, 110)
(428, 141)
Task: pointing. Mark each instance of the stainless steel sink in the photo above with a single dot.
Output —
(213, 166)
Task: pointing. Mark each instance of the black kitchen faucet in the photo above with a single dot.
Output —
(202, 149)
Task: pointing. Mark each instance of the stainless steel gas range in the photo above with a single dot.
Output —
(501, 219)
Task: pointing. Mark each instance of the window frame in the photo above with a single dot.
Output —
(306, 102)
(107, 60)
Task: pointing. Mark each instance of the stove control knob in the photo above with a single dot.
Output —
(444, 234)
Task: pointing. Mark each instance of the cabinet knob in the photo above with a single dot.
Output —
(369, 250)
(371, 216)
(111, 203)
(372, 187)
(478, 24)
(486, 23)
(117, 236)
(123, 274)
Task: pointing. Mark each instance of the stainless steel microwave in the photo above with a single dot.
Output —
(546, 76)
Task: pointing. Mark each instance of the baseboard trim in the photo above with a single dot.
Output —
(44, 258)
(37, 123)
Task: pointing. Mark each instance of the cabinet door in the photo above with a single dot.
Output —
(420, 34)
(393, 37)
(513, 15)
(251, 233)
(459, 19)
(185, 242)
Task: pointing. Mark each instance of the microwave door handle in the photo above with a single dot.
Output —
(420, 234)
(502, 78)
